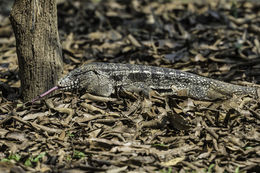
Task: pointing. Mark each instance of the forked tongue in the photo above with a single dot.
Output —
(45, 93)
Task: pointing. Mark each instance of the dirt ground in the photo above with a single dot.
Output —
(73, 132)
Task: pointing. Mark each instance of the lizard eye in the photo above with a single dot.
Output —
(60, 82)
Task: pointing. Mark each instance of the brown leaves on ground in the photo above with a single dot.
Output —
(84, 133)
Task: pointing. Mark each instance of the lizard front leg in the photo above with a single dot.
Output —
(97, 83)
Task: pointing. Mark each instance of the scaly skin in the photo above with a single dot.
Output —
(105, 78)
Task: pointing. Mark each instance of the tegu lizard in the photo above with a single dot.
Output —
(104, 79)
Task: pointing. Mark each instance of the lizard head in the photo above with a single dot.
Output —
(72, 80)
(79, 78)
(68, 83)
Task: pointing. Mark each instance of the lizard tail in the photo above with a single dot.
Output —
(232, 89)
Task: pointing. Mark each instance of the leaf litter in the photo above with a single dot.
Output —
(73, 132)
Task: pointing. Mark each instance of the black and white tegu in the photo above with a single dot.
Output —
(104, 79)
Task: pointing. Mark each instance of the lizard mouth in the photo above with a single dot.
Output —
(67, 84)
(64, 84)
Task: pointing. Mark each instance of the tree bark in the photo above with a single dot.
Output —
(38, 47)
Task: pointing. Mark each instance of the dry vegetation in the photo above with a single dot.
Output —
(73, 132)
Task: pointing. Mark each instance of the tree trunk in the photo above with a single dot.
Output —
(38, 47)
